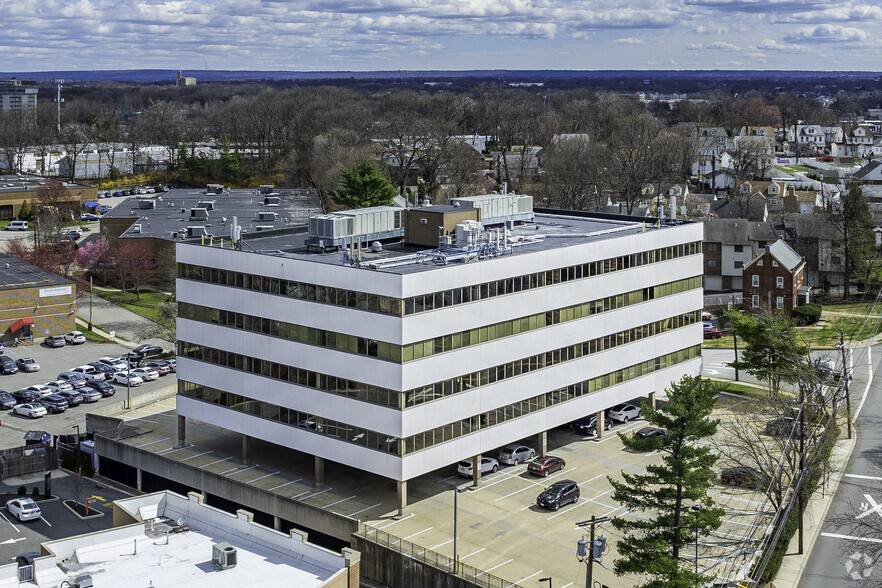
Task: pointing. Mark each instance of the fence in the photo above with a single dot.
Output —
(467, 575)
(20, 461)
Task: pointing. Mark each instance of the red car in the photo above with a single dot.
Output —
(545, 464)
(712, 332)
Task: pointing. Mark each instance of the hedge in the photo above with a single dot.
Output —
(807, 314)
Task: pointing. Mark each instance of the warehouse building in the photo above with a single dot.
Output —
(34, 302)
(398, 359)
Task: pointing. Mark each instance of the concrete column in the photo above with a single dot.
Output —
(319, 472)
(652, 399)
(277, 523)
(402, 497)
(182, 431)
(138, 473)
(476, 470)
(246, 449)
(542, 443)
(353, 565)
(600, 421)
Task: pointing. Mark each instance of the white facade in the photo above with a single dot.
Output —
(391, 457)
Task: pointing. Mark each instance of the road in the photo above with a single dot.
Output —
(846, 554)
(716, 361)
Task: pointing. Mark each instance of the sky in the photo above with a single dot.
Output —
(366, 35)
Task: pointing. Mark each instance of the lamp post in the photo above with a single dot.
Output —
(546, 580)
(456, 493)
(128, 383)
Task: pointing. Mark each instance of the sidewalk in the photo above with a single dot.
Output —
(107, 316)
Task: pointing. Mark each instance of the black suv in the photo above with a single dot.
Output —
(73, 398)
(147, 350)
(25, 396)
(7, 365)
(103, 387)
(54, 403)
(559, 494)
(588, 425)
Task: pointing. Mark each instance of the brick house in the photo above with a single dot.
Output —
(775, 279)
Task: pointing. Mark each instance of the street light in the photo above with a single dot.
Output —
(546, 580)
(456, 493)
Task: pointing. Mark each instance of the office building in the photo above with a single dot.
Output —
(17, 95)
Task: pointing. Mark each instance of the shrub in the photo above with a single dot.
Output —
(807, 314)
(22, 490)
(35, 491)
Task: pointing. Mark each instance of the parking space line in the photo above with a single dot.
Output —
(314, 495)
(494, 567)
(216, 461)
(528, 577)
(237, 471)
(45, 521)
(414, 534)
(441, 544)
(472, 553)
(411, 515)
(285, 484)
(568, 585)
(339, 501)
(192, 456)
(859, 477)
(170, 450)
(152, 442)
(261, 478)
(364, 509)
(851, 538)
(10, 523)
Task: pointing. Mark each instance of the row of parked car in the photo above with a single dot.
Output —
(133, 192)
(88, 383)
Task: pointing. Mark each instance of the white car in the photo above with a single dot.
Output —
(622, 413)
(24, 509)
(27, 364)
(146, 374)
(488, 464)
(59, 386)
(114, 362)
(515, 454)
(124, 378)
(89, 373)
(74, 338)
(41, 389)
(30, 410)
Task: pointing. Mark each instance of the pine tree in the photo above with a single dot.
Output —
(654, 546)
(24, 213)
(364, 185)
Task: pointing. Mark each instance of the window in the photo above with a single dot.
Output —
(739, 249)
(754, 281)
(779, 282)
(779, 302)
(739, 264)
(774, 263)
(712, 263)
(754, 301)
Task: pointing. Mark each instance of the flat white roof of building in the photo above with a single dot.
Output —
(152, 553)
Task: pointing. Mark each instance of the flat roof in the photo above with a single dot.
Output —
(12, 183)
(15, 274)
(547, 232)
(172, 212)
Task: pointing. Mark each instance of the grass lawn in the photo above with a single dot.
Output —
(148, 306)
(94, 337)
(857, 308)
(724, 342)
(854, 327)
(793, 168)
(745, 389)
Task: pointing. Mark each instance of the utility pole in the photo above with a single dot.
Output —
(586, 550)
(90, 303)
(801, 460)
(58, 100)
(845, 377)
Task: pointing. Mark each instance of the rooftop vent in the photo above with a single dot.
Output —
(271, 200)
(198, 214)
(223, 556)
(267, 216)
(146, 203)
(136, 228)
(207, 204)
(264, 228)
(214, 189)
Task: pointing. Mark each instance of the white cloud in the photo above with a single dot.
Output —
(723, 46)
(829, 34)
(629, 41)
(836, 14)
(694, 47)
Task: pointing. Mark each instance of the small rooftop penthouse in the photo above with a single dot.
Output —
(165, 539)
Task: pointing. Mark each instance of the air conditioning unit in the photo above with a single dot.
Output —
(136, 228)
(223, 556)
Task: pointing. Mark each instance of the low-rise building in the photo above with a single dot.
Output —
(33, 301)
(775, 279)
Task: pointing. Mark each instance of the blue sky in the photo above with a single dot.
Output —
(445, 34)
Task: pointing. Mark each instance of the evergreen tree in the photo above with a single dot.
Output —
(24, 213)
(771, 352)
(675, 491)
(363, 185)
(855, 223)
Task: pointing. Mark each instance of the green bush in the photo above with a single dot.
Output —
(807, 314)
(22, 490)
(35, 491)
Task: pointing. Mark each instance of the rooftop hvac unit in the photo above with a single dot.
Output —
(266, 189)
(207, 204)
(136, 228)
(196, 231)
(223, 556)
(146, 203)
(198, 214)
(267, 216)
(214, 189)
(264, 228)
(271, 200)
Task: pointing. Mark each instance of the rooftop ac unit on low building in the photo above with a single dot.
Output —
(136, 228)
(223, 556)
(264, 228)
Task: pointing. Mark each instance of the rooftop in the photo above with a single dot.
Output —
(547, 232)
(15, 274)
(154, 548)
(24, 183)
(172, 210)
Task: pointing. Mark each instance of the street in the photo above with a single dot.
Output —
(846, 551)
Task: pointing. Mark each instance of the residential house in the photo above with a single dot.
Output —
(775, 279)
(871, 172)
(820, 243)
(745, 205)
(807, 139)
(857, 141)
(802, 201)
(728, 245)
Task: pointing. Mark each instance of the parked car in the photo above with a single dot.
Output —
(54, 341)
(17, 225)
(172, 363)
(72, 233)
(649, 432)
(73, 378)
(89, 373)
(148, 375)
(515, 454)
(89, 217)
(546, 464)
(40, 389)
(7, 400)
(114, 362)
(59, 386)
(125, 378)
(26, 396)
(104, 209)
(27, 364)
(74, 338)
(73, 397)
(89, 394)
(160, 366)
(7, 365)
(706, 315)
(622, 413)
(54, 403)
(559, 494)
(103, 387)
(134, 359)
(32, 410)
(147, 350)
(711, 331)
(588, 425)
(24, 509)
(782, 427)
(744, 477)
(488, 464)
(104, 369)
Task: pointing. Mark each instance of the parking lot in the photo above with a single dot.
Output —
(53, 362)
